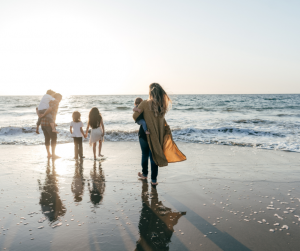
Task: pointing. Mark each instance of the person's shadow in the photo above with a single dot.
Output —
(78, 183)
(51, 204)
(97, 184)
(156, 222)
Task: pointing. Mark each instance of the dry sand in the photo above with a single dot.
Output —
(221, 198)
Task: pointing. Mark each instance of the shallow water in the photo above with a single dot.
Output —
(268, 121)
(79, 205)
(222, 198)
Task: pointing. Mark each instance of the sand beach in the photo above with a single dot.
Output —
(222, 198)
(218, 78)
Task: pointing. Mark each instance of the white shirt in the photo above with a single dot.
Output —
(76, 129)
(44, 104)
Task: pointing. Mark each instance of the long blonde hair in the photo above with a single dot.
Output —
(160, 101)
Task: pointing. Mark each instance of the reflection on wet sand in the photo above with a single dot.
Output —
(77, 186)
(51, 204)
(156, 222)
(96, 184)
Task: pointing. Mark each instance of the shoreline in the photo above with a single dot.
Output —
(177, 142)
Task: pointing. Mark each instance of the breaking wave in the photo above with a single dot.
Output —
(223, 135)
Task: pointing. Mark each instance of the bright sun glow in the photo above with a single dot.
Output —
(120, 47)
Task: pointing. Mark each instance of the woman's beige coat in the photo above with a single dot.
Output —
(161, 144)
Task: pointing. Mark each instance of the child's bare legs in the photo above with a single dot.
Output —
(37, 129)
(100, 147)
(53, 127)
(94, 149)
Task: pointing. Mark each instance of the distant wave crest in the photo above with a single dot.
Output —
(26, 105)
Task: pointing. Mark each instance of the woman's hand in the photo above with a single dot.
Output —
(135, 109)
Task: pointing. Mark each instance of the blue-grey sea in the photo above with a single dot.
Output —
(263, 121)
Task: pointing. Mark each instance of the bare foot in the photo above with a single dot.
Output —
(147, 132)
(100, 155)
(55, 131)
(154, 184)
(49, 156)
(37, 131)
(55, 157)
(142, 176)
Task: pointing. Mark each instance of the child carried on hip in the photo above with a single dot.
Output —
(140, 120)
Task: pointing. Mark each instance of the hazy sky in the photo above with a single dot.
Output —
(120, 47)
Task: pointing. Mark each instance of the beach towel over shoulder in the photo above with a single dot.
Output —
(160, 141)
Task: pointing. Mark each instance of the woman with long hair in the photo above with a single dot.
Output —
(97, 133)
(159, 100)
(153, 145)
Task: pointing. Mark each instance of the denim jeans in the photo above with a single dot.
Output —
(142, 122)
(146, 153)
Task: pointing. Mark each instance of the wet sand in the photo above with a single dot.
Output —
(221, 198)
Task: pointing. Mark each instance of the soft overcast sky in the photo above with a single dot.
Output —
(120, 47)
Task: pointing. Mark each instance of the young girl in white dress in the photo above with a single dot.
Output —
(97, 133)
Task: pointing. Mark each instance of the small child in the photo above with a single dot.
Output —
(140, 120)
(42, 108)
(77, 133)
(98, 130)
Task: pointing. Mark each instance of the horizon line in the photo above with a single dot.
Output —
(148, 94)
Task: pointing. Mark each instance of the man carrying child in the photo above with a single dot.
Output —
(42, 108)
(50, 136)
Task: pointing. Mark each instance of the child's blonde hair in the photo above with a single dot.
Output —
(50, 92)
(76, 116)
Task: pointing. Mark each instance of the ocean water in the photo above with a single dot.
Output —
(261, 121)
